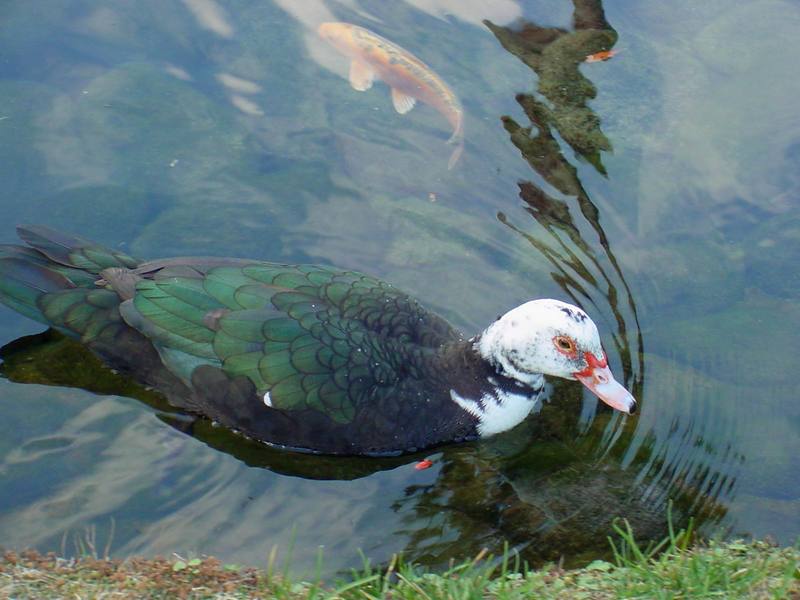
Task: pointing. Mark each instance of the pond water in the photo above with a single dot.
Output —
(659, 189)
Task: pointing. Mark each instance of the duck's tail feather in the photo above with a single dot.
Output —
(24, 280)
(35, 279)
(74, 251)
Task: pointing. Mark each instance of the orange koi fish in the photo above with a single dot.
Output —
(374, 57)
(600, 56)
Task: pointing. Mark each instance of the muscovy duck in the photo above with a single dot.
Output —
(306, 357)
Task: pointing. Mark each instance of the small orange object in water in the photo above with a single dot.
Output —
(600, 56)
(423, 464)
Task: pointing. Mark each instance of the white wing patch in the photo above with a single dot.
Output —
(470, 406)
(498, 412)
(402, 102)
(267, 399)
(505, 412)
(361, 76)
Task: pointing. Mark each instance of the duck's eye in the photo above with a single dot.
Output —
(564, 344)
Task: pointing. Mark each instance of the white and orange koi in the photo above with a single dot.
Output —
(374, 57)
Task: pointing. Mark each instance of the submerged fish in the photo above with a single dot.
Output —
(410, 79)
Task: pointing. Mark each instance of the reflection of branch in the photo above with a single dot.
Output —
(562, 277)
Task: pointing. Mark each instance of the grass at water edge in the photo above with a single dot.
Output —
(669, 569)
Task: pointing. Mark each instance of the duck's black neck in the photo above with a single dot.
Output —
(481, 391)
(470, 374)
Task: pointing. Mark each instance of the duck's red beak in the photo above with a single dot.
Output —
(598, 378)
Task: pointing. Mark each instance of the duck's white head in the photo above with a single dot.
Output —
(553, 338)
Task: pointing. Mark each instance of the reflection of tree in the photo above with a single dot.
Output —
(555, 55)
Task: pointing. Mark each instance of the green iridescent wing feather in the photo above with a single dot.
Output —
(87, 314)
(310, 337)
(307, 337)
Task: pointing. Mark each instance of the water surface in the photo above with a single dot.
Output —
(658, 189)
